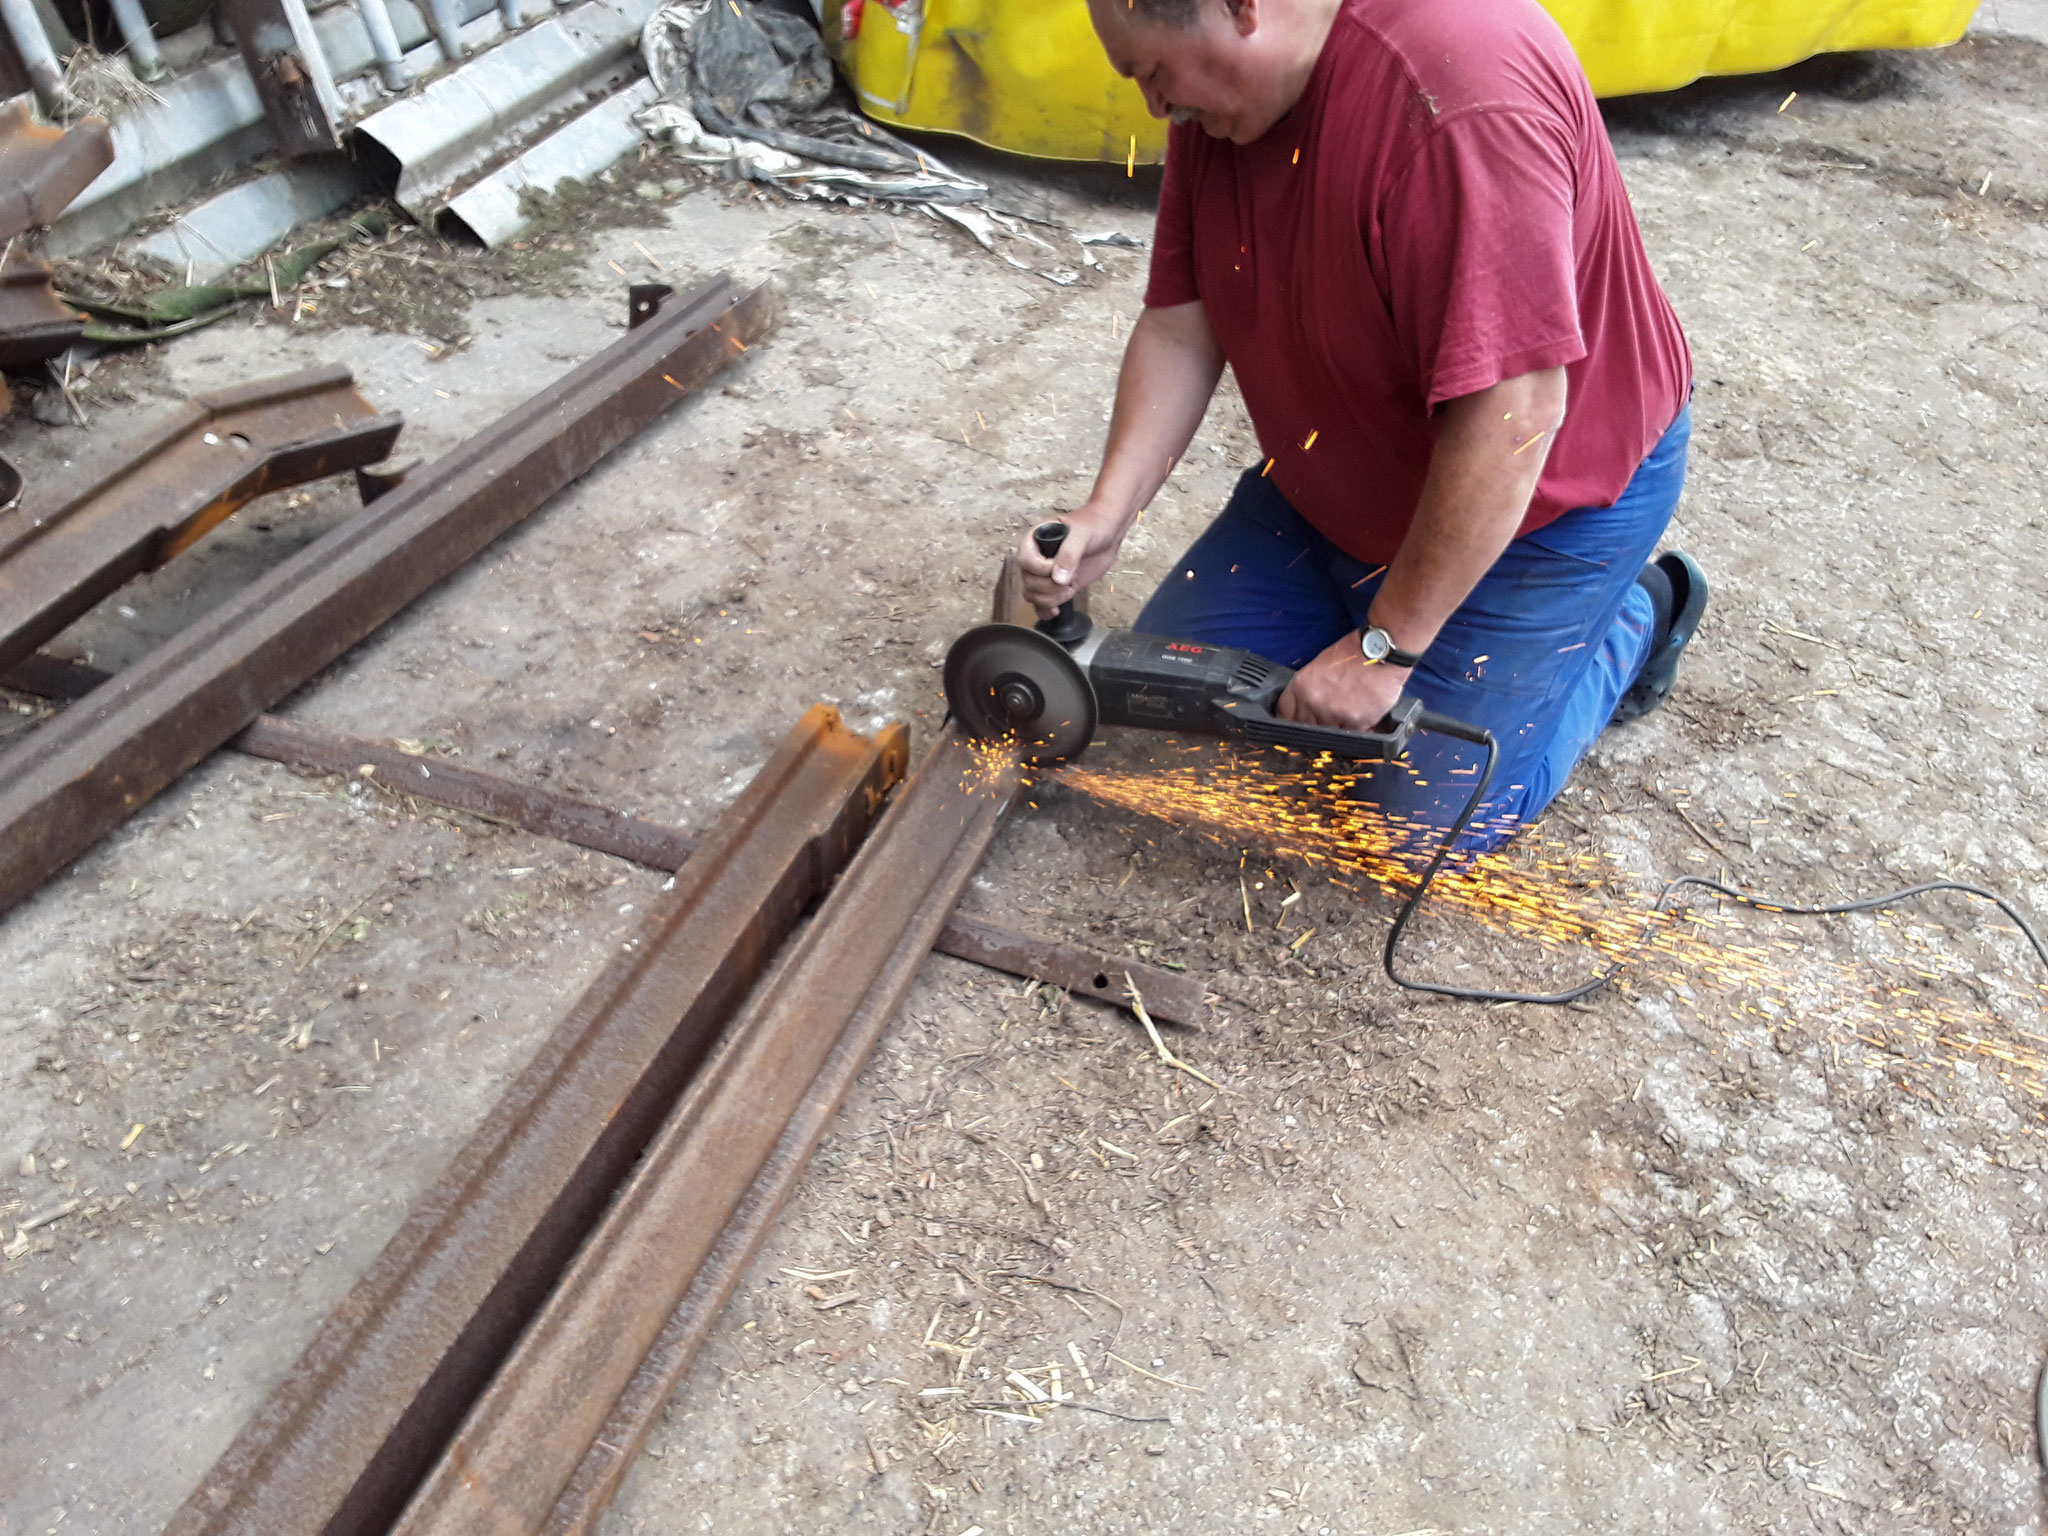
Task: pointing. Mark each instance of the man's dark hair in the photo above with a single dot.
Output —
(1172, 13)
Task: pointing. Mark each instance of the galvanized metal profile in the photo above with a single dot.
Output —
(208, 241)
(43, 168)
(139, 505)
(520, 1447)
(71, 782)
(491, 211)
(342, 1441)
(446, 132)
(209, 120)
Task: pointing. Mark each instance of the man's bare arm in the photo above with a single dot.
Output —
(1482, 473)
(1170, 368)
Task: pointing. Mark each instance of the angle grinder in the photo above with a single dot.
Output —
(1053, 686)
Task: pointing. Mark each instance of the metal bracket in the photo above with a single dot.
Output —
(290, 73)
(643, 303)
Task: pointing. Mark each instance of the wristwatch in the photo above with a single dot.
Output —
(1378, 647)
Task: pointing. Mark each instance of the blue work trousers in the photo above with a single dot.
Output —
(1540, 653)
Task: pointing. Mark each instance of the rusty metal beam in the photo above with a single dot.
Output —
(137, 506)
(343, 1440)
(34, 323)
(72, 781)
(1170, 997)
(43, 168)
(286, 65)
(832, 996)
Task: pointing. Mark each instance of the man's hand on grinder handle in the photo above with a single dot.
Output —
(1089, 551)
(1341, 688)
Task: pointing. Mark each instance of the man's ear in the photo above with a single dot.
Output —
(1245, 15)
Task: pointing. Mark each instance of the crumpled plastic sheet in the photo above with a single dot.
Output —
(747, 90)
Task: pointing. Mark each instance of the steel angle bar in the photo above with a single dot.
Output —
(1169, 996)
(344, 1438)
(34, 323)
(43, 168)
(82, 774)
(145, 502)
(842, 981)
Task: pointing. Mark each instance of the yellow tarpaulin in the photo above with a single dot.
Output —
(1028, 75)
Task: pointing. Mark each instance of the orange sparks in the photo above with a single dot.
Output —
(1906, 1008)
(1313, 435)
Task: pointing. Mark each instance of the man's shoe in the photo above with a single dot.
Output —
(1660, 671)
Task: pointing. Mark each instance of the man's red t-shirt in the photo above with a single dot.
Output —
(1440, 211)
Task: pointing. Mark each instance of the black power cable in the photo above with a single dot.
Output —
(1444, 726)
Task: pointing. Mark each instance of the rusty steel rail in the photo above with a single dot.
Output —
(34, 323)
(1171, 997)
(81, 775)
(520, 1447)
(43, 168)
(343, 1440)
(145, 502)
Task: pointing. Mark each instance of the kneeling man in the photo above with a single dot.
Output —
(1402, 225)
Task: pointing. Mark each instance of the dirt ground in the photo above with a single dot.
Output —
(1729, 1249)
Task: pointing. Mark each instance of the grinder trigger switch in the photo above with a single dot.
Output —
(1069, 627)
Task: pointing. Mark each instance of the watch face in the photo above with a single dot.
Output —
(1375, 644)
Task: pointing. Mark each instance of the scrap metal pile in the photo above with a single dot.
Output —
(499, 1365)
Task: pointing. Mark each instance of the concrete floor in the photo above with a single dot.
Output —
(1697, 1258)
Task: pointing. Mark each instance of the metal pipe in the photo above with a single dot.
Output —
(508, 12)
(25, 28)
(141, 41)
(447, 28)
(383, 42)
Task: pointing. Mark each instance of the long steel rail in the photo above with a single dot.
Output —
(68, 784)
(824, 1007)
(343, 1440)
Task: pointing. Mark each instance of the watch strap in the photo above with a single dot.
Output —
(1394, 656)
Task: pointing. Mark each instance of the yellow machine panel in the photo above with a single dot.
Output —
(1028, 75)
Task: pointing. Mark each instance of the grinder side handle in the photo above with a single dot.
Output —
(1069, 626)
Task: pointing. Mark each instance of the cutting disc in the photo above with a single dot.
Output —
(1003, 679)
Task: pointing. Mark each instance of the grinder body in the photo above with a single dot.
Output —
(1187, 685)
(1050, 687)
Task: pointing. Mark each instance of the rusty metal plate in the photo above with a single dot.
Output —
(34, 323)
(344, 1439)
(43, 168)
(82, 774)
(137, 506)
(831, 997)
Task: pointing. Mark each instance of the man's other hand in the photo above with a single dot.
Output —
(1092, 542)
(1341, 688)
